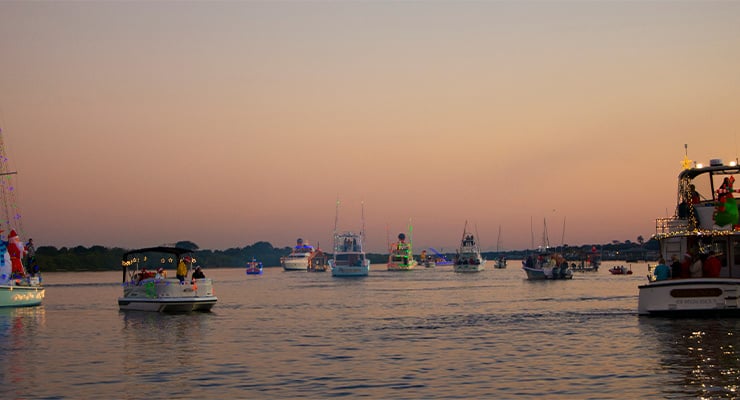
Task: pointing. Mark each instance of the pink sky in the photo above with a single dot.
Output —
(225, 123)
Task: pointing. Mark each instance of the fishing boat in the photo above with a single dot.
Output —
(401, 257)
(19, 286)
(468, 257)
(546, 266)
(349, 258)
(298, 258)
(620, 270)
(145, 290)
(705, 225)
(254, 267)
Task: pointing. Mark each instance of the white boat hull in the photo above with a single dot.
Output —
(470, 267)
(168, 295)
(697, 296)
(350, 270)
(295, 264)
(21, 296)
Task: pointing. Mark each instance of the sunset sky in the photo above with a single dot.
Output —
(134, 124)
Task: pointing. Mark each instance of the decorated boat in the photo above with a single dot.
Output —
(545, 266)
(318, 262)
(500, 262)
(401, 257)
(468, 257)
(254, 267)
(299, 257)
(20, 284)
(439, 258)
(146, 286)
(426, 260)
(349, 257)
(704, 226)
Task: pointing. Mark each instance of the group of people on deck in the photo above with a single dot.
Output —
(705, 265)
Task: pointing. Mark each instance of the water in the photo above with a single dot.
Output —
(428, 333)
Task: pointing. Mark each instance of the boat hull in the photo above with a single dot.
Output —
(690, 297)
(254, 272)
(21, 296)
(401, 267)
(168, 295)
(350, 270)
(540, 274)
(470, 267)
(297, 264)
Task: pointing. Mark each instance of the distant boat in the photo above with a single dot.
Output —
(401, 257)
(318, 262)
(143, 290)
(501, 260)
(20, 286)
(468, 257)
(440, 259)
(298, 258)
(349, 251)
(254, 267)
(620, 270)
(546, 266)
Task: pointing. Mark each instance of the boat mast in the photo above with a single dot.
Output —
(362, 232)
(336, 223)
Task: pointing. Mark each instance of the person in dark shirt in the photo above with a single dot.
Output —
(675, 267)
(198, 273)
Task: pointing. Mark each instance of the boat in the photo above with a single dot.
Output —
(401, 257)
(440, 259)
(19, 286)
(318, 262)
(143, 290)
(426, 260)
(546, 266)
(620, 270)
(501, 260)
(298, 258)
(468, 257)
(349, 259)
(254, 267)
(705, 225)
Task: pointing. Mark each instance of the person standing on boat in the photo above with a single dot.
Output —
(198, 273)
(695, 271)
(712, 266)
(662, 272)
(675, 267)
(182, 271)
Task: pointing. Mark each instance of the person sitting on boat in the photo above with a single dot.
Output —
(161, 273)
(662, 272)
(198, 273)
(182, 271)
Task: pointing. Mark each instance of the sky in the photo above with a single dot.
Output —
(133, 124)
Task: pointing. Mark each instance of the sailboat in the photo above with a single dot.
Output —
(19, 287)
(501, 260)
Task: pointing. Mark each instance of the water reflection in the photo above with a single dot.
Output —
(697, 357)
(19, 329)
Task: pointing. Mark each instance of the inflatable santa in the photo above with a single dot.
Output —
(16, 251)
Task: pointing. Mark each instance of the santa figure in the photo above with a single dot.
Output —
(17, 251)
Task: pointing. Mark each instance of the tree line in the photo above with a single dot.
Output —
(100, 258)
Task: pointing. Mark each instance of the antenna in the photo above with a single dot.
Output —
(362, 233)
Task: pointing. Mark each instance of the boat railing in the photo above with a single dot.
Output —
(665, 226)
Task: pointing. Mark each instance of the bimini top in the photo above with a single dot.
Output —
(178, 251)
(714, 168)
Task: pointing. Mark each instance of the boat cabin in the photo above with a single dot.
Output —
(706, 219)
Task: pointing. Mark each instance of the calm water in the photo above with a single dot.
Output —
(429, 333)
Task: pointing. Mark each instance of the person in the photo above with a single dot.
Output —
(161, 273)
(662, 272)
(182, 271)
(198, 273)
(695, 270)
(685, 266)
(675, 267)
(712, 266)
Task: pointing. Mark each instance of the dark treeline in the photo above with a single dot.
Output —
(99, 258)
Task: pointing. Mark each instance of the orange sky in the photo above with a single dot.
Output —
(225, 123)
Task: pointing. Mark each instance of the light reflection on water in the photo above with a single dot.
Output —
(420, 334)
